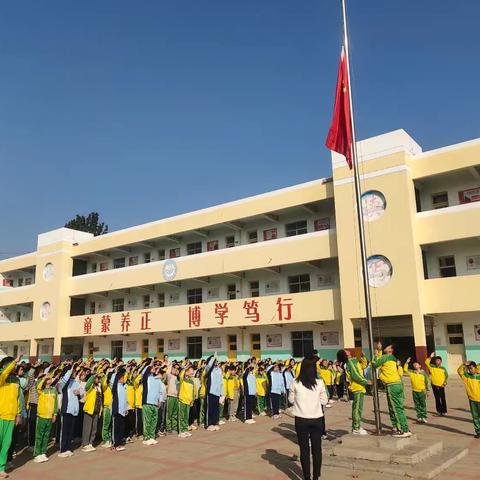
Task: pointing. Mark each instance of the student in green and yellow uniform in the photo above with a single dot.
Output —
(138, 389)
(232, 391)
(438, 377)
(328, 377)
(186, 396)
(387, 364)
(10, 407)
(262, 386)
(107, 411)
(471, 378)
(47, 409)
(419, 381)
(202, 375)
(92, 410)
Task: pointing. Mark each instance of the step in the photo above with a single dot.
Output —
(377, 441)
(425, 470)
(416, 453)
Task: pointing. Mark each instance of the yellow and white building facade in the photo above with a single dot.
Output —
(274, 275)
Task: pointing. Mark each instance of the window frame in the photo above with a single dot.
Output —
(196, 297)
(300, 227)
(194, 346)
(297, 284)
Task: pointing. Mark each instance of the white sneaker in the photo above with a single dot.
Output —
(146, 442)
(331, 400)
(249, 422)
(183, 435)
(275, 417)
(424, 420)
(217, 428)
(66, 454)
(211, 428)
(263, 414)
(107, 445)
(221, 422)
(324, 437)
(360, 431)
(153, 441)
(328, 405)
(193, 427)
(120, 448)
(38, 459)
(88, 448)
(188, 434)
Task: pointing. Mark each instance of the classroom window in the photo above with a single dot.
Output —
(299, 283)
(160, 345)
(147, 257)
(117, 349)
(161, 299)
(146, 301)
(194, 347)
(270, 234)
(212, 245)
(28, 281)
(230, 241)
(119, 262)
(231, 291)
(145, 346)
(440, 200)
(20, 282)
(118, 305)
(92, 307)
(94, 267)
(302, 343)
(194, 295)
(447, 267)
(253, 236)
(18, 316)
(161, 254)
(254, 289)
(174, 252)
(91, 349)
(296, 228)
(194, 248)
(132, 261)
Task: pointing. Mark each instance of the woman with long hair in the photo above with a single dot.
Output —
(308, 396)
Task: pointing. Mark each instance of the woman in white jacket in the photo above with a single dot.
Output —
(308, 396)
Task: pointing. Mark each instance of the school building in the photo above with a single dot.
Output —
(274, 275)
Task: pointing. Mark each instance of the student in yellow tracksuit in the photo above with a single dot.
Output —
(138, 389)
(10, 408)
(232, 391)
(262, 388)
(107, 412)
(471, 378)
(186, 396)
(92, 410)
(419, 381)
(328, 377)
(389, 375)
(438, 377)
(47, 409)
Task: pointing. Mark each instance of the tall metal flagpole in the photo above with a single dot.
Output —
(361, 228)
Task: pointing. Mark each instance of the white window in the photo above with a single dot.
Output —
(440, 200)
(161, 254)
(119, 262)
(147, 257)
(146, 301)
(296, 228)
(299, 283)
(94, 267)
(231, 291)
(230, 241)
(161, 299)
(253, 236)
(254, 289)
(447, 267)
(194, 248)
(194, 295)
(118, 304)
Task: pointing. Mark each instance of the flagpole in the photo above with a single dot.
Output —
(361, 228)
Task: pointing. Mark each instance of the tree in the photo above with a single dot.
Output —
(90, 224)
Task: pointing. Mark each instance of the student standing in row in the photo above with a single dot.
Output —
(92, 410)
(214, 391)
(471, 378)
(419, 381)
(438, 377)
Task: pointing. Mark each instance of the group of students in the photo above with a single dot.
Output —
(156, 397)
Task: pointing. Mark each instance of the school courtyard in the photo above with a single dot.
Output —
(264, 451)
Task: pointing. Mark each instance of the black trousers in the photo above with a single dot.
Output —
(162, 417)
(275, 402)
(118, 429)
(440, 400)
(138, 421)
(331, 391)
(130, 423)
(32, 424)
(213, 410)
(309, 432)
(67, 428)
(250, 402)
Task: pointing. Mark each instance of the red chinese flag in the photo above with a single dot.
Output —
(339, 137)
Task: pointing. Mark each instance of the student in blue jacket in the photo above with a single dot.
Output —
(214, 392)
(119, 408)
(277, 389)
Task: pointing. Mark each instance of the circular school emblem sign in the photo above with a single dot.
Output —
(169, 270)
(380, 270)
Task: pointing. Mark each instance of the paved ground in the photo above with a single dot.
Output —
(262, 451)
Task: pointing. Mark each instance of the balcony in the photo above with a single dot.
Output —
(18, 295)
(303, 248)
(317, 306)
(453, 294)
(451, 223)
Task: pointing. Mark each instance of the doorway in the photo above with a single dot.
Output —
(455, 346)
(255, 347)
(232, 348)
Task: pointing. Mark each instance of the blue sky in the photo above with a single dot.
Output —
(142, 110)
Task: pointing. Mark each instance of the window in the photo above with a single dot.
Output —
(145, 347)
(296, 228)
(161, 254)
(302, 343)
(161, 299)
(94, 267)
(92, 307)
(91, 349)
(160, 345)
(299, 283)
(357, 333)
(147, 257)
(447, 266)
(270, 234)
(18, 316)
(254, 289)
(212, 245)
(132, 261)
(321, 224)
(425, 264)
(253, 236)
(455, 334)
(232, 291)
(119, 262)
(194, 347)
(194, 295)
(174, 252)
(146, 301)
(117, 349)
(20, 282)
(103, 266)
(440, 200)
(117, 305)
(28, 281)
(194, 248)
(230, 241)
